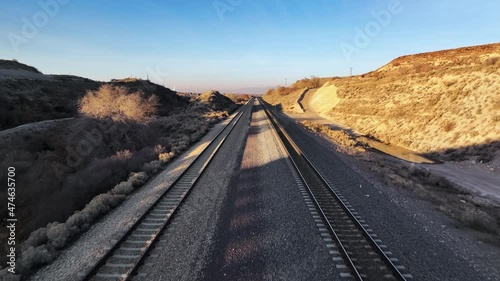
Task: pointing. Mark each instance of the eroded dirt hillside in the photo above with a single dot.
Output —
(445, 103)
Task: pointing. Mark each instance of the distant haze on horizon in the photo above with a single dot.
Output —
(234, 45)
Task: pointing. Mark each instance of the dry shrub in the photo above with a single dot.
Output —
(467, 210)
(138, 179)
(42, 246)
(81, 186)
(492, 61)
(115, 102)
(123, 155)
(33, 257)
(449, 83)
(339, 137)
(284, 91)
(474, 218)
(122, 188)
(448, 126)
(165, 157)
(135, 180)
(152, 167)
(313, 82)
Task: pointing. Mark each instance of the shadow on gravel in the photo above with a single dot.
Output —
(237, 252)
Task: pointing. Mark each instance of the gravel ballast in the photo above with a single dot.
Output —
(182, 250)
(245, 220)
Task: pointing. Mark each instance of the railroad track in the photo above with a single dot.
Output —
(364, 258)
(122, 261)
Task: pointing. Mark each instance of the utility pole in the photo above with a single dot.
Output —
(351, 71)
(286, 82)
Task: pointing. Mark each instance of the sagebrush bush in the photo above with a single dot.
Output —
(138, 179)
(165, 157)
(33, 257)
(339, 137)
(42, 245)
(448, 126)
(152, 167)
(122, 188)
(313, 82)
(448, 197)
(117, 103)
(492, 61)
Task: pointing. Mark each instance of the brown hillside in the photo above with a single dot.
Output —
(445, 102)
(15, 65)
(31, 98)
(453, 58)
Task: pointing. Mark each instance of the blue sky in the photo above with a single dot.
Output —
(232, 44)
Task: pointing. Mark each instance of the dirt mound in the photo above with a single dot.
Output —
(215, 100)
